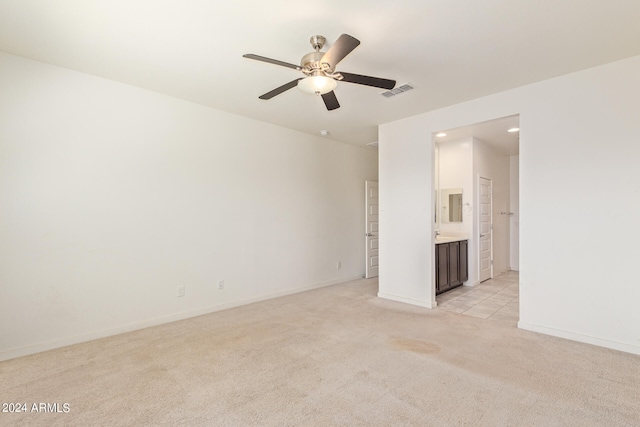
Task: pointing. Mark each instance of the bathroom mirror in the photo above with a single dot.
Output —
(451, 205)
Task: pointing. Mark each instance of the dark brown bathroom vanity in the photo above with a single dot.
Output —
(452, 266)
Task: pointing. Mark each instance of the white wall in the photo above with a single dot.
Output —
(578, 158)
(456, 171)
(492, 164)
(406, 207)
(111, 197)
(436, 185)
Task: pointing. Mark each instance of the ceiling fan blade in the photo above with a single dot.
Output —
(279, 90)
(368, 80)
(271, 61)
(341, 48)
(330, 100)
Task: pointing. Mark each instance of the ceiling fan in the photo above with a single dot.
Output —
(319, 69)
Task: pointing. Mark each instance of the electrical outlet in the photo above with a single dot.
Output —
(221, 285)
(338, 265)
(180, 291)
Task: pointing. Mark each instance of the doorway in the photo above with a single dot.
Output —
(482, 159)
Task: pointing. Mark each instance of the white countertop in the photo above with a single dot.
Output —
(448, 239)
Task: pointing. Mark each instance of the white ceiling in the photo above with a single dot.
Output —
(450, 51)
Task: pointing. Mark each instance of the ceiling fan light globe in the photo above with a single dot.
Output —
(318, 85)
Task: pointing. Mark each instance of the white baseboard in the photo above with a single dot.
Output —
(90, 336)
(407, 300)
(627, 348)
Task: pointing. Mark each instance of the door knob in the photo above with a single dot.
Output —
(369, 235)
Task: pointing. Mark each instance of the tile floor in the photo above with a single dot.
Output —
(493, 299)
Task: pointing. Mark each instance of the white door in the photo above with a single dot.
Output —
(485, 239)
(371, 232)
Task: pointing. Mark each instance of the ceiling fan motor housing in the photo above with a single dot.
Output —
(317, 42)
(310, 64)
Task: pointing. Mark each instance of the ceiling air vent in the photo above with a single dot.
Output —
(393, 92)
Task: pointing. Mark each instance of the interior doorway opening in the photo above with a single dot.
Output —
(481, 162)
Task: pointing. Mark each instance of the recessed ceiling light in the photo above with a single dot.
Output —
(513, 130)
(324, 132)
(441, 134)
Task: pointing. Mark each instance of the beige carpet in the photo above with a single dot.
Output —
(336, 356)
